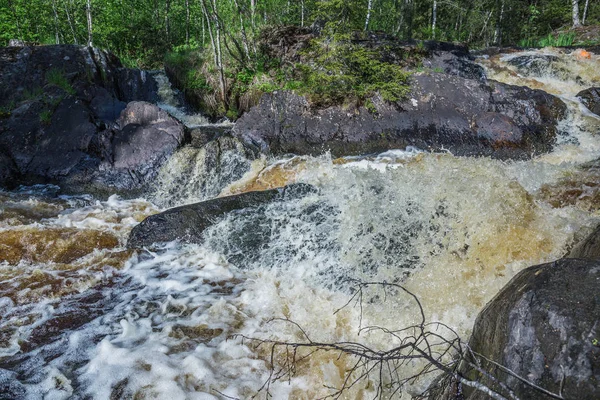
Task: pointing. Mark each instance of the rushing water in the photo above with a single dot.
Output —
(82, 317)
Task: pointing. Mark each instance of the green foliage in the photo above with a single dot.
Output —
(57, 78)
(46, 117)
(32, 93)
(342, 71)
(561, 40)
(6, 109)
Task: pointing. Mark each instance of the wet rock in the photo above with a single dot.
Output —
(591, 99)
(187, 223)
(442, 112)
(534, 64)
(67, 122)
(543, 326)
(135, 84)
(588, 248)
(202, 135)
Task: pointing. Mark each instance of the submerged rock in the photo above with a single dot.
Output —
(187, 223)
(591, 99)
(67, 121)
(543, 326)
(443, 112)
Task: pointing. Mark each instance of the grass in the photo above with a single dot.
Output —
(560, 40)
(57, 78)
(46, 117)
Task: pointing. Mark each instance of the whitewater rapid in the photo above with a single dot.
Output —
(84, 317)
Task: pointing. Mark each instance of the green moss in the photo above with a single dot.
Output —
(57, 78)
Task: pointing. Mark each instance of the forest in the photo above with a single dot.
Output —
(141, 32)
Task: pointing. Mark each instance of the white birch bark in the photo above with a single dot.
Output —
(90, 42)
(576, 21)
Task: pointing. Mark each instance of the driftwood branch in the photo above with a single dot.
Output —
(420, 342)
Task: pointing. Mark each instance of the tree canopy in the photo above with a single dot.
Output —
(142, 31)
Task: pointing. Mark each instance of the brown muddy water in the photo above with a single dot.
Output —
(82, 317)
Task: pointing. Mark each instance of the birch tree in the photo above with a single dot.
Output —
(576, 22)
(89, 23)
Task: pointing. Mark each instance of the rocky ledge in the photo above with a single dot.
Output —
(451, 106)
(64, 119)
(468, 117)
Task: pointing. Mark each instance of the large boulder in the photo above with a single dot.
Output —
(544, 326)
(591, 99)
(442, 112)
(66, 121)
(187, 223)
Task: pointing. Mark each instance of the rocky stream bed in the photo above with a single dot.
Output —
(139, 243)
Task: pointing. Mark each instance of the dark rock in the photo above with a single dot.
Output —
(591, 99)
(534, 64)
(465, 116)
(204, 134)
(589, 248)
(543, 326)
(187, 223)
(8, 170)
(135, 84)
(68, 124)
(130, 156)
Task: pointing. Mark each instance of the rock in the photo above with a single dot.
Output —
(534, 64)
(591, 99)
(544, 326)
(135, 84)
(8, 170)
(187, 223)
(202, 135)
(443, 112)
(68, 123)
(131, 155)
(589, 248)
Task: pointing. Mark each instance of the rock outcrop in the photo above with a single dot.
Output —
(66, 121)
(588, 248)
(465, 116)
(544, 326)
(591, 99)
(187, 223)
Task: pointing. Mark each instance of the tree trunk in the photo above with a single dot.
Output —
(585, 8)
(216, 45)
(243, 29)
(253, 13)
(433, 19)
(576, 22)
(498, 32)
(167, 12)
(187, 22)
(409, 12)
(302, 13)
(56, 29)
(369, 7)
(89, 23)
(70, 23)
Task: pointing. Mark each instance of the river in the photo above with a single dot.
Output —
(83, 317)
